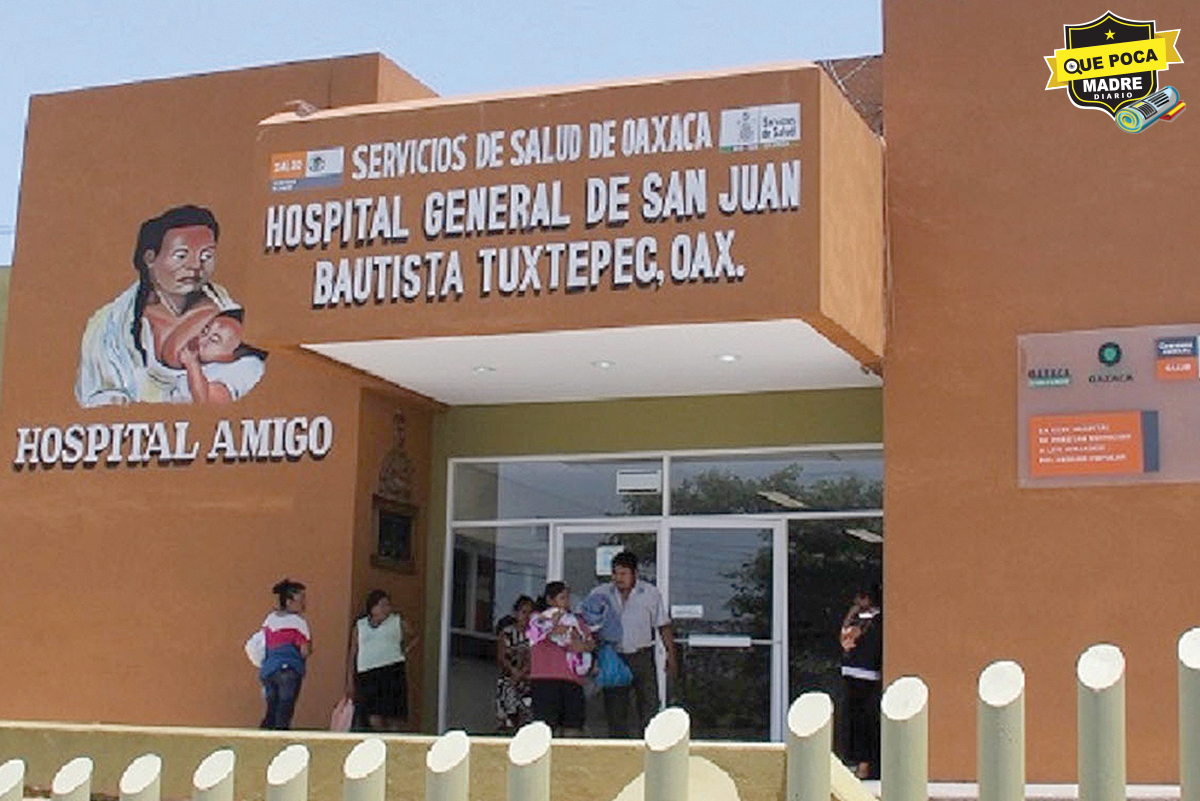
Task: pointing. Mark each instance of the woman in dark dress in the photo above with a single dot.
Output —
(514, 704)
(862, 665)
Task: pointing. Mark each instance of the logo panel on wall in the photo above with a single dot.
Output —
(307, 169)
(1109, 355)
(1176, 359)
(1049, 377)
(1111, 64)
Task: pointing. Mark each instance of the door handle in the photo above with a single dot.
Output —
(719, 641)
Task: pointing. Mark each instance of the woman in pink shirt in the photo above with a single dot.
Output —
(559, 640)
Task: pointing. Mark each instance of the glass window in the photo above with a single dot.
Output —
(801, 481)
(829, 561)
(557, 489)
(492, 568)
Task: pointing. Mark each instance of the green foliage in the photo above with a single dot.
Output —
(727, 692)
(722, 491)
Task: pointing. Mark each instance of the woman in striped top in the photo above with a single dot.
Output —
(289, 644)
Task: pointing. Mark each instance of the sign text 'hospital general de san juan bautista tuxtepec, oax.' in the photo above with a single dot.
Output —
(563, 258)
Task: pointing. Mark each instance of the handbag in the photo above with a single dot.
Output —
(343, 715)
(256, 648)
(612, 671)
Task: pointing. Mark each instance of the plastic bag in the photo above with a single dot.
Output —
(611, 668)
(256, 648)
(343, 715)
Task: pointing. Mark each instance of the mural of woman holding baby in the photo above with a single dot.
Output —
(174, 335)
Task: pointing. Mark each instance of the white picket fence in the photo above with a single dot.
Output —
(813, 773)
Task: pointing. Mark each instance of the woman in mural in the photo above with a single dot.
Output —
(134, 348)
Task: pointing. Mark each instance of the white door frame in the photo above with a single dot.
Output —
(554, 563)
(779, 598)
(663, 530)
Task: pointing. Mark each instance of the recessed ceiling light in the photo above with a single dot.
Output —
(728, 358)
(483, 368)
(604, 364)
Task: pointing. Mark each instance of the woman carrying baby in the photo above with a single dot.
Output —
(560, 646)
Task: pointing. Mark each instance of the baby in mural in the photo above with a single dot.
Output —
(206, 342)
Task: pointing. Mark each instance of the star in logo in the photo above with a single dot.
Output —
(1108, 34)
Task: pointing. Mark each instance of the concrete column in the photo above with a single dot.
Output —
(1101, 730)
(904, 768)
(448, 768)
(365, 771)
(12, 780)
(529, 763)
(213, 779)
(1001, 733)
(287, 775)
(142, 780)
(1189, 716)
(73, 782)
(809, 744)
(668, 741)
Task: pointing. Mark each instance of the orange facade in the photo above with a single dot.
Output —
(145, 531)
(130, 586)
(1011, 212)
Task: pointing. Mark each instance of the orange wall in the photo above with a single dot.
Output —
(130, 590)
(1011, 211)
(375, 438)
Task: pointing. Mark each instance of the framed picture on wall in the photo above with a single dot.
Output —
(395, 531)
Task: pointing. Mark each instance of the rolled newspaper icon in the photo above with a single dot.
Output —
(1163, 103)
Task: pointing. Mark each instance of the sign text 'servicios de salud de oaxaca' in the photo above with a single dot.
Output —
(616, 205)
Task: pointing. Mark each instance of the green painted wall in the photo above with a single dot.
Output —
(5, 272)
(646, 424)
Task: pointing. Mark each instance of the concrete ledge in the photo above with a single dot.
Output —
(591, 770)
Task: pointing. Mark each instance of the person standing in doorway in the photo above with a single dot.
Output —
(560, 646)
(862, 672)
(288, 646)
(376, 679)
(514, 701)
(643, 614)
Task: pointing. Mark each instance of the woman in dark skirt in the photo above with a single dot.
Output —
(376, 675)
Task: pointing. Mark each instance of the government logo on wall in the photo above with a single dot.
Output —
(1112, 64)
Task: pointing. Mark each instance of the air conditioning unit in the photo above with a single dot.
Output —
(639, 482)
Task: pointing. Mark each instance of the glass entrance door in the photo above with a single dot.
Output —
(581, 556)
(725, 584)
(726, 588)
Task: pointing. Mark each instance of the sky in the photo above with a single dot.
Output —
(454, 47)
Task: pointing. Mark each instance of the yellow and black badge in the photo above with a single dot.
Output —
(1112, 64)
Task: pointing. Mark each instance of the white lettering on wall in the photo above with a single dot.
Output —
(162, 443)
